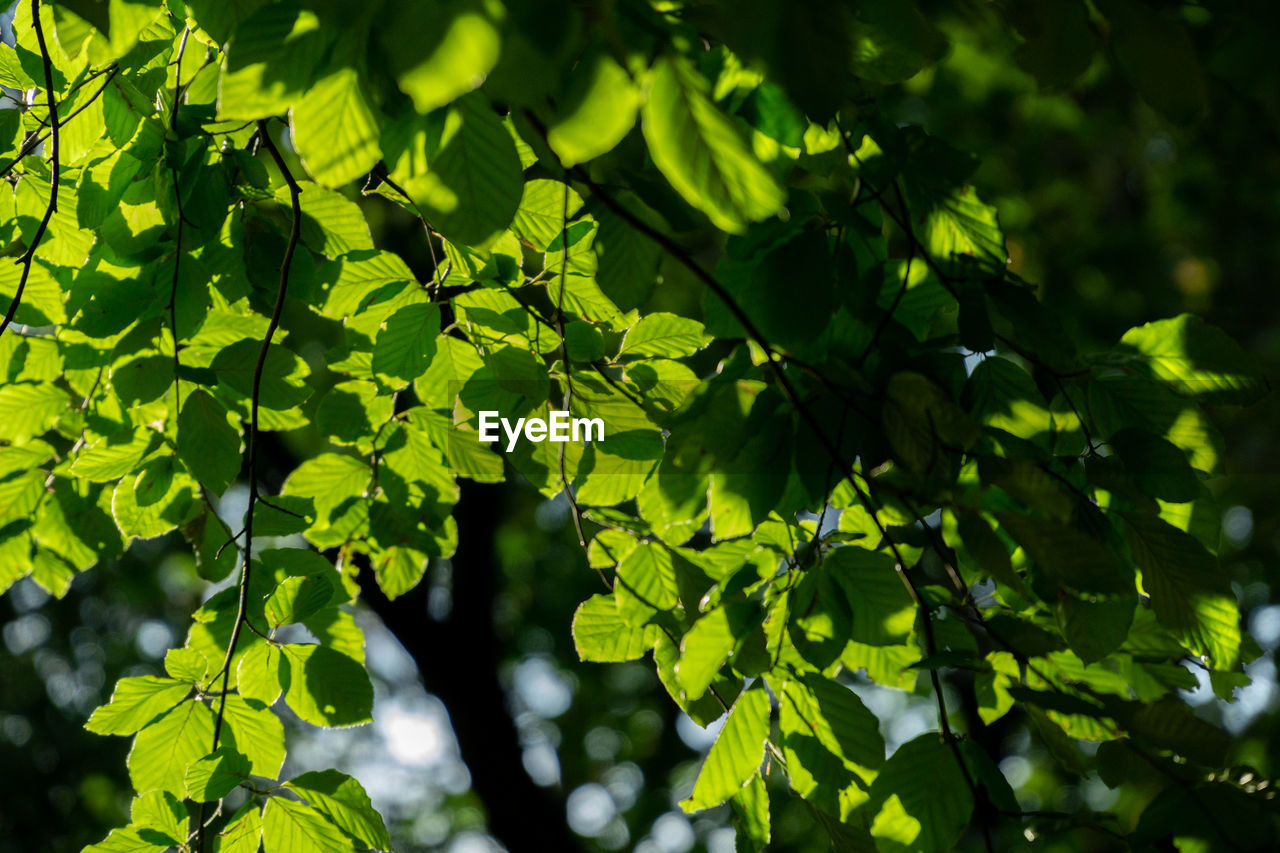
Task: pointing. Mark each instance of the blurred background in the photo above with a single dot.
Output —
(491, 733)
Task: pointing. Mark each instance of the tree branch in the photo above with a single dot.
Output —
(177, 252)
(30, 254)
(251, 432)
(574, 510)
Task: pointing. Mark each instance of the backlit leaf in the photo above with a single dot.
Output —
(736, 754)
(702, 153)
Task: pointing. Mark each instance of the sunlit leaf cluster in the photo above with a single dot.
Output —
(843, 442)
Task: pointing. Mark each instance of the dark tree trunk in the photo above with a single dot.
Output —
(458, 658)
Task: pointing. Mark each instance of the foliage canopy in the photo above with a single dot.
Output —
(843, 438)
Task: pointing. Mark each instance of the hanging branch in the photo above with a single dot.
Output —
(437, 278)
(897, 298)
(30, 254)
(177, 252)
(251, 432)
(574, 510)
(850, 471)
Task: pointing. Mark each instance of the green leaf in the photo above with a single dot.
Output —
(1160, 468)
(751, 810)
(598, 109)
(298, 828)
(400, 571)
(1001, 395)
(338, 630)
(136, 702)
(243, 833)
(162, 750)
(960, 224)
(269, 61)
(216, 775)
(736, 754)
(186, 665)
(159, 813)
(704, 649)
(257, 733)
(1170, 724)
(881, 609)
(207, 444)
(32, 408)
(473, 186)
(32, 454)
(282, 385)
(327, 688)
(1117, 402)
(701, 152)
(352, 412)
(335, 131)
(261, 673)
(584, 341)
(835, 715)
(601, 634)
(21, 495)
(1069, 556)
(1196, 360)
(296, 598)
(42, 298)
(332, 224)
(344, 802)
(51, 573)
(329, 481)
(923, 425)
(985, 548)
(674, 502)
(283, 515)
(628, 259)
(829, 758)
(1095, 627)
(1189, 591)
(1156, 53)
(441, 51)
(142, 379)
(923, 801)
(1060, 43)
(354, 278)
(821, 617)
(407, 343)
(540, 218)
(664, 335)
(645, 583)
(126, 840)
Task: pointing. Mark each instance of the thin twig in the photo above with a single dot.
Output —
(173, 293)
(574, 510)
(177, 252)
(177, 78)
(28, 257)
(251, 433)
(897, 300)
(426, 226)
